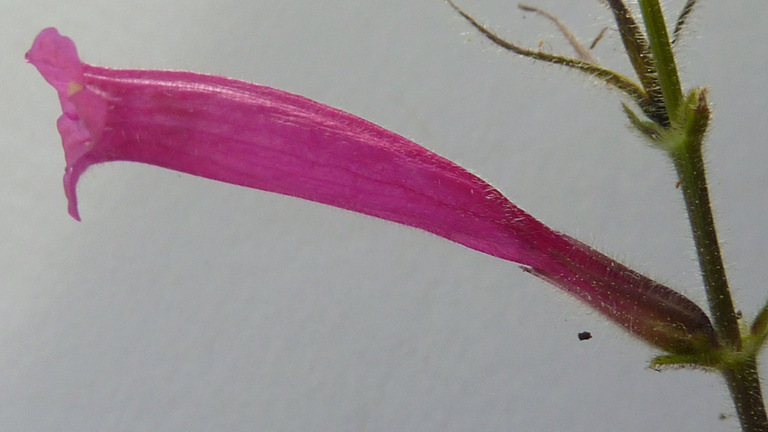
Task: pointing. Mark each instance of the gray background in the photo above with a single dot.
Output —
(184, 304)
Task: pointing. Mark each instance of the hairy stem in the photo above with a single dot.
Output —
(742, 378)
(690, 169)
(740, 374)
(636, 46)
(664, 58)
(744, 384)
(690, 117)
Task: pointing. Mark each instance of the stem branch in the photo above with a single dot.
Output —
(663, 56)
(689, 118)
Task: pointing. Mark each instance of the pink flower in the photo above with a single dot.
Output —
(268, 139)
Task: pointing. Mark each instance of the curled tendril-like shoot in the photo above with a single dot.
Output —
(598, 38)
(582, 52)
(682, 19)
(614, 79)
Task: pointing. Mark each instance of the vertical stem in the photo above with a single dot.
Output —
(741, 376)
(744, 384)
(691, 116)
(641, 58)
(664, 58)
(741, 373)
(690, 170)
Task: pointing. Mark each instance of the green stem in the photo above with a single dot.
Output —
(690, 170)
(689, 118)
(663, 56)
(636, 46)
(744, 384)
(741, 376)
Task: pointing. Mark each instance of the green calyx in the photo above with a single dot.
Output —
(724, 358)
(685, 134)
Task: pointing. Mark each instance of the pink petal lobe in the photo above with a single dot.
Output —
(55, 56)
(264, 138)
